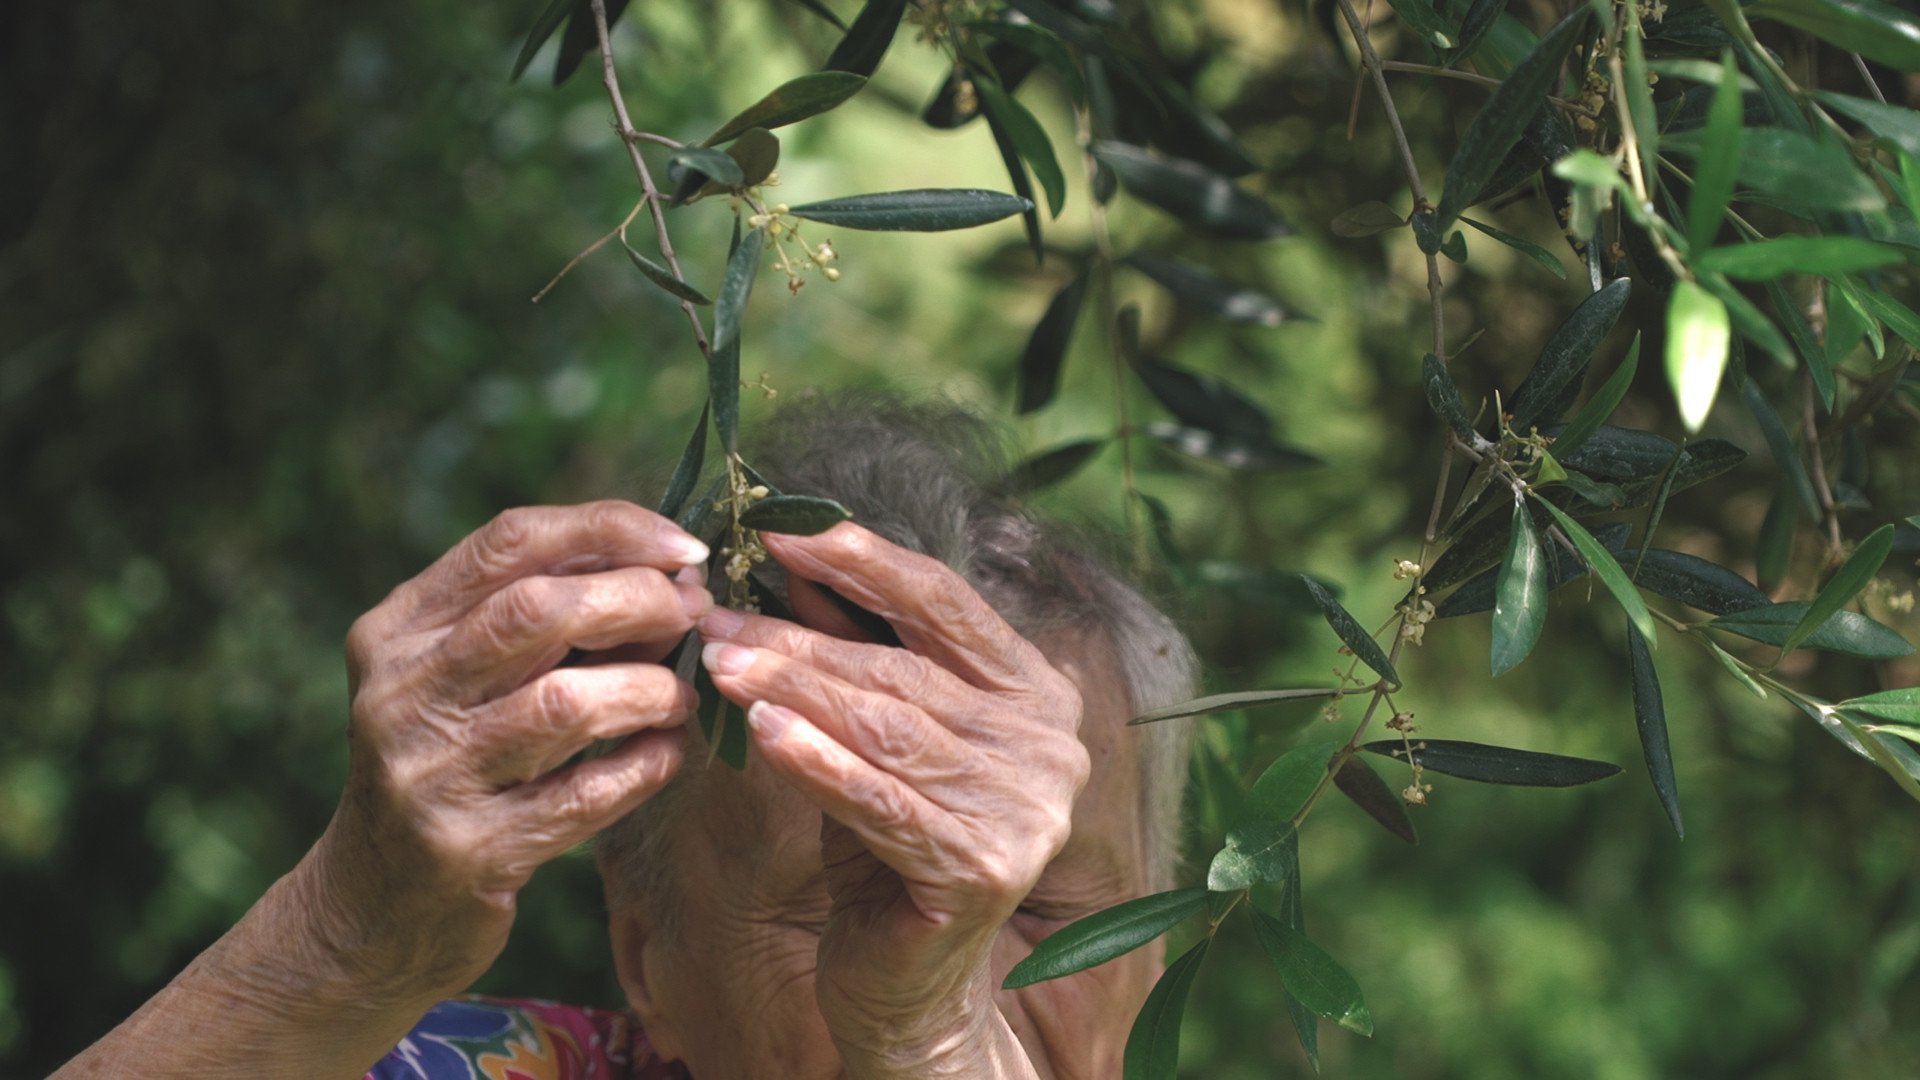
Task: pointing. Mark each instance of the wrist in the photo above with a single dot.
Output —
(958, 1037)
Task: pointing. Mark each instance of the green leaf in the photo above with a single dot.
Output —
(1900, 706)
(1883, 755)
(1022, 187)
(1153, 1046)
(1501, 121)
(1719, 161)
(1811, 352)
(1233, 451)
(723, 364)
(1315, 979)
(1814, 174)
(1427, 22)
(1205, 200)
(1245, 699)
(687, 472)
(1204, 401)
(1283, 789)
(1352, 633)
(1747, 318)
(1229, 300)
(824, 12)
(1611, 575)
(1046, 350)
(1029, 138)
(715, 164)
(1781, 446)
(550, 19)
(1845, 584)
(664, 278)
(1104, 935)
(1048, 468)
(1306, 1026)
(1367, 219)
(1767, 259)
(1496, 764)
(582, 37)
(1520, 606)
(1525, 247)
(1358, 782)
(1650, 715)
(1697, 583)
(1733, 668)
(1696, 350)
(1899, 317)
(866, 41)
(1479, 592)
(1896, 126)
(1443, 396)
(1595, 412)
(1480, 18)
(1875, 30)
(1646, 128)
(1844, 631)
(794, 515)
(1455, 247)
(920, 210)
(1037, 44)
(791, 102)
(1847, 323)
(1774, 545)
(1256, 852)
(1555, 376)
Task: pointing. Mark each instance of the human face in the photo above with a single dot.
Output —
(730, 991)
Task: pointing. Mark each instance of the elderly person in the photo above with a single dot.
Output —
(915, 814)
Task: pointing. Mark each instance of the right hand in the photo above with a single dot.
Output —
(461, 716)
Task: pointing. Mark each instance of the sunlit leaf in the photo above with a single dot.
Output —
(1555, 376)
(1608, 569)
(1204, 199)
(1766, 259)
(1352, 633)
(1358, 782)
(1153, 1045)
(1844, 631)
(1875, 30)
(791, 102)
(1719, 160)
(1496, 764)
(1520, 605)
(1104, 935)
(1899, 706)
(1245, 699)
(919, 210)
(1255, 852)
(1883, 754)
(1229, 300)
(687, 472)
(1048, 467)
(1845, 584)
(1696, 350)
(1315, 979)
(1650, 716)
(866, 41)
(1282, 790)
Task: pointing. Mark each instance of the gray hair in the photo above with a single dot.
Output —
(919, 475)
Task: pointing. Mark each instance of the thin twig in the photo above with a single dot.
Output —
(1860, 66)
(631, 137)
(1102, 283)
(648, 136)
(1482, 80)
(1820, 471)
(620, 231)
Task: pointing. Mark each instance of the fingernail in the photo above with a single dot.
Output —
(684, 549)
(694, 598)
(770, 721)
(721, 624)
(724, 659)
(689, 697)
(695, 574)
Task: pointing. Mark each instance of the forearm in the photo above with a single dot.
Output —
(268, 999)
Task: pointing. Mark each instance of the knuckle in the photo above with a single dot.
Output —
(509, 531)
(558, 700)
(527, 604)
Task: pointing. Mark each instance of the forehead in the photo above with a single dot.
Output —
(762, 831)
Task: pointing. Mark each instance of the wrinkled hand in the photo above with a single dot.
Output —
(947, 771)
(461, 716)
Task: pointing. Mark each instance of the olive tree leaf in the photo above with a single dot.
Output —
(1781, 446)
(1899, 706)
(1048, 467)
(1207, 201)
(1719, 161)
(824, 12)
(543, 27)
(1846, 632)
(664, 278)
(1696, 350)
(1231, 301)
(1604, 564)
(687, 472)
(1046, 351)
(1846, 582)
(1104, 935)
(1255, 852)
(1650, 717)
(1882, 754)
(1427, 22)
(1284, 787)
(1235, 452)
(1501, 121)
(1028, 137)
(1811, 352)
(1875, 30)
(1595, 412)
(1764, 260)
(1153, 1046)
(1367, 219)
(1022, 186)
(1314, 979)
(1697, 583)
(1640, 97)
(1358, 782)
(1899, 317)
(795, 515)
(1478, 593)
(1555, 376)
(1495, 764)
(1520, 606)
(1733, 668)
(1443, 396)
(715, 164)
(723, 364)
(918, 210)
(791, 102)
(1352, 633)
(1748, 320)
(1245, 699)
(866, 41)
(581, 37)
(1525, 247)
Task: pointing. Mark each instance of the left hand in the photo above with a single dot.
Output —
(947, 771)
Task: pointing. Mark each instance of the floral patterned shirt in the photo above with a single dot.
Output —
(505, 1039)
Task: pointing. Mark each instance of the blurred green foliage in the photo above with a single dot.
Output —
(266, 349)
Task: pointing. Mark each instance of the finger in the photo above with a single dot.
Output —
(530, 624)
(886, 731)
(890, 670)
(567, 807)
(934, 609)
(528, 732)
(548, 540)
